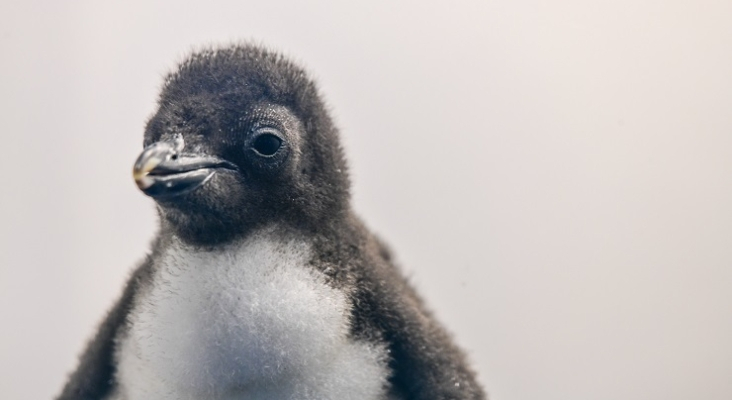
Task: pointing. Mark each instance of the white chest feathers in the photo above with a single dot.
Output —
(252, 321)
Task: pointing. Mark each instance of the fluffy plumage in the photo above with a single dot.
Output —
(261, 315)
(262, 283)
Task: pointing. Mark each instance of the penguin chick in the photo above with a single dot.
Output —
(261, 283)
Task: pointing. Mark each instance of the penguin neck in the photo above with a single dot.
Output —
(217, 233)
(213, 241)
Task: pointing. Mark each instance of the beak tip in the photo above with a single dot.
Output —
(145, 163)
(142, 181)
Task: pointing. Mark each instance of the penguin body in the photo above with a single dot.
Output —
(238, 319)
(262, 283)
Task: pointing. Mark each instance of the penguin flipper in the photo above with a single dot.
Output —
(427, 365)
(425, 362)
(93, 379)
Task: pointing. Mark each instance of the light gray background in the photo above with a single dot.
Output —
(555, 176)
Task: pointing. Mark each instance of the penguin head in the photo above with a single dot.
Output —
(240, 139)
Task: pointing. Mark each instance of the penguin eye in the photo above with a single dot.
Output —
(266, 144)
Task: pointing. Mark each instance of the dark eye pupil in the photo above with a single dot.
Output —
(267, 144)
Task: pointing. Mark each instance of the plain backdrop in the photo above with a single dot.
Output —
(554, 176)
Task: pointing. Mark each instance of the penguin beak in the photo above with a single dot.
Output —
(163, 170)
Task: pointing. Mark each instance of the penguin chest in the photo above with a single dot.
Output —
(252, 321)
